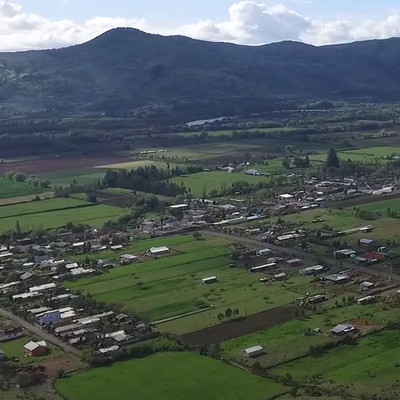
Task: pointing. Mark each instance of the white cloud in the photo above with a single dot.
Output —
(252, 23)
(249, 22)
(21, 31)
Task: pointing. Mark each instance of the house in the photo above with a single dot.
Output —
(253, 352)
(366, 300)
(316, 269)
(319, 298)
(366, 285)
(343, 329)
(182, 206)
(42, 288)
(126, 259)
(210, 279)
(294, 262)
(280, 276)
(261, 268)
(263, 252)
(286, 196)
(10, 332)
(366, 243)
(253, 172)
(337, 278)
(157, 251)
(344, 253)
(36, 349)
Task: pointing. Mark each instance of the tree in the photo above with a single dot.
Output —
(286, 163)
(332, 160)
(228, 313)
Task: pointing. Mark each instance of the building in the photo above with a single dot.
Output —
(264, 267)
(157, 251)
(337, 278)
(253, 352)
(36, 349)
(316, 269)
(210, 279)
(366, 300)
(366, 285)
(10, 332)
(294, 262)
(344, 253)
(126, 259)
(343, 329)
(253, 172)
(263, 252)
(2, 355)
(366, 243)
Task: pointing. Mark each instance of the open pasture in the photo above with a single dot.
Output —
(81, 177)
(178, 376)
(53, 213)
(215, 180)
(369, 155)
(293, 339)
(367, 366)
(9, 188)
(171, 286)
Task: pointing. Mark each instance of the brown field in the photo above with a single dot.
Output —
(240, 327)
(62, 163)
(122, 201)
(25, 199)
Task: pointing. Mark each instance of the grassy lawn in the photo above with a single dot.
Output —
(215, 180)
(168, 376)
(370, 364)
(15, 348)
(135, 164)
(229, 132)
(382, 206)
(171, 286)
(13, 189)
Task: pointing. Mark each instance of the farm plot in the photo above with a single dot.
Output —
(54, 213)
(294, 339)
(81, 177)
(369, 155)
(10, 188)
(178, 376)
(365, 367)
(215, 181)
(171, 287)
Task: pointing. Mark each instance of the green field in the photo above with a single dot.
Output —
(54, 213)
(382, 206)
(168, 376)
(81, 177)
(368, 156)
(171, 286)
(215, 180)
(10, 188)
(293, 339)
(369, 365)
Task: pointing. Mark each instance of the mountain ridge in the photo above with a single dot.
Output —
(125, 70)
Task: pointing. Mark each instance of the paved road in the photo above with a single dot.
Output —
(308, 257)
(40, 333)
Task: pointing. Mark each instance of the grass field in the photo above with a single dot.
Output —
(54, 213)
(14, 189)
(81, 177)
(369, 365)
(168, 376)
(368, 156)
(171, 286)
(215, 180)
(134, 164)
(290, 340)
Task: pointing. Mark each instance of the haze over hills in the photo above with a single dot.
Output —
(126, 69)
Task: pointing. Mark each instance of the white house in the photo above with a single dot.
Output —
(253, 352)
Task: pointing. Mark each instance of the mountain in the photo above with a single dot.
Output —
(126, 69)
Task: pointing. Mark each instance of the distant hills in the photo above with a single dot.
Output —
(126, 70)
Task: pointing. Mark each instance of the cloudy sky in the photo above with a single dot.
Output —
(38, 24)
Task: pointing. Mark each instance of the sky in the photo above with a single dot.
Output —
(41, 24)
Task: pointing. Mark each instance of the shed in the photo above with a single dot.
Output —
(343, 329)
(263, 252)
(155, 251)
(366, 243)
(293, 262)
(252, 352)
(210, 279)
